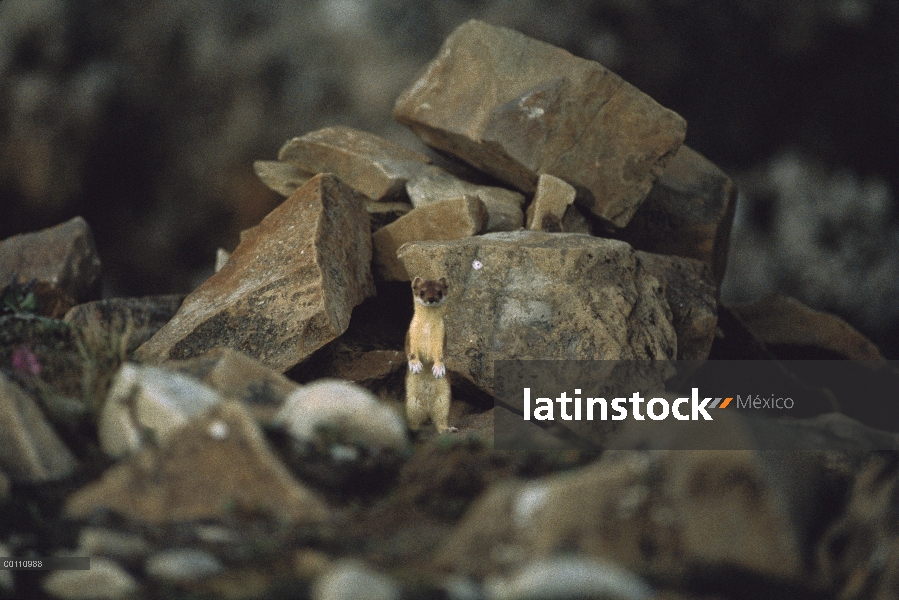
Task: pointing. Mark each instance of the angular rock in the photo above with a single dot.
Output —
(364, 367)
(551, 200)
(385, 213)
(236, 376)
(105, 580)
(149, 403)
(221, 257)
(536, 295)
(214, 465)
(786, 325)
(282, 177)
(30, 451)
(691, 294)
(371, 165)
(688, 213)
(64, 261)
(445, 220)
(289, 287)
(503, 206)
(138, 318)
(663, 515)
(349, 411)
(516, 107)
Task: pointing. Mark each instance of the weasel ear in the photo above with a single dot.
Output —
(444, 283)
(417, 281)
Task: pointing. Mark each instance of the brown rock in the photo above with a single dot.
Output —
(30, 450)
(784, 323)
(688, 213)
(516, 107)
(446, 220)
(691, 294)
(503, 206)
(551, 200)
(369, 164)
(214, 465)
(282, 177)
(138, 318)
(536, 295)
(63, 260)
(288, 288)
(4, 487)
(385, 213)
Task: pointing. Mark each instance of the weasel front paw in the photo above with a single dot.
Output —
(439, 370)
(415, 366)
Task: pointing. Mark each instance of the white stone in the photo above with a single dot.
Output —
(353, 580)
(93, 541)
(569, 577)
(105, 580)
(182, 565)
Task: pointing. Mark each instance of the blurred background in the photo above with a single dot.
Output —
(145, 117)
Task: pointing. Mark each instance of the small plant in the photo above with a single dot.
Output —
(103, 349)
(18, 298)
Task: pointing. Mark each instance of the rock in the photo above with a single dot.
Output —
(353, 580)
(289, 287)
(516, 108)
(282, 177)
(664, 515)
(105, 580)
(364, 367)
(536, 295)
(350, 411)
(7, 585)
(182, 565)
(551, 200)
(786, 327)
(221, 257)
(30, 451)
(385, 213)
(236, 376)
(688, 213)
(369, 164)
(446, 220)
(4, 490)
(215, 465)
(692, 295)
(100, 541)
(149, 403)
(64, 261)
(503, 206)
(569, 577)
(138, 318)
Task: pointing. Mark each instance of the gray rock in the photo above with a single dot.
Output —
(7, 585)
(30, 450)
(221, 257)
(64, 261)
(353, 580)
(551, 201)
(282, 177)
(138, 318)
(516, 107)
(289, 287)
(182, 565)
(564, 577)
(100, 541)
(105, 580)
(536, 295)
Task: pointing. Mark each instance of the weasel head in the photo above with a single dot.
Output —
(431, 292)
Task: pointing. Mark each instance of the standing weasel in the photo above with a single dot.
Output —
(427, 394)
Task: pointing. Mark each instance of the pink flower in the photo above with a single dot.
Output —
(24, 360)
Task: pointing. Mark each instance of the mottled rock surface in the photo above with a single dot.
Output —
(138, 318)
(64, 261)
(217, 463)
(537, 295)
(282, 177)
(288, 288)
(688, 213)
(385, 213)
(30, 450)
(452, 219)
(372, 165)
(516, 107)
(551, 200)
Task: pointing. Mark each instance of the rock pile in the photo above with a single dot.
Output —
(254, 444)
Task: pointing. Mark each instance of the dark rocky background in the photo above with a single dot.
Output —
(145, 118)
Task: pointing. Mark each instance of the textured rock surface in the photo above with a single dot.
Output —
(691, 294)
(551, 200)
(516, 107)
(434, 184)
(282, 177)
(288, 288)
(64, 261)
(30, 450)
(384, 213)
(217, 463)
(537, 295)
(689, 213)
(372, 165)
(453, 219)
(138, 318)
(105, 580)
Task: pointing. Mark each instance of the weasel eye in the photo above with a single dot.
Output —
(421, 293)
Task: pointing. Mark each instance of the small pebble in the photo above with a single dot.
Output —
(182, 565)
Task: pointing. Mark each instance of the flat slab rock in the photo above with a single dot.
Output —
(516, 107)
(288, 288)
(537, 295)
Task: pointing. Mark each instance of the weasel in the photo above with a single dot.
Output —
(427, 393)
